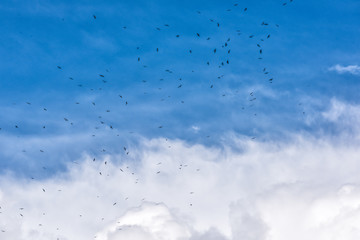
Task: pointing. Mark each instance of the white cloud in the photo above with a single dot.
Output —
(352, 69)
(268, 190)
(343, 115)
(297, 188)
(150, 221)
(195, 128)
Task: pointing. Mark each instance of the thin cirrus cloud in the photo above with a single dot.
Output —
(254, 191)
(350, 69)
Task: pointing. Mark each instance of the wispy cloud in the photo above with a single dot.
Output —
(351, 69)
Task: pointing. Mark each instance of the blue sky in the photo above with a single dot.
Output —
(306, 38)
(74, 87)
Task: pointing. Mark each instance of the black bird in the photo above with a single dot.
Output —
(94, 16)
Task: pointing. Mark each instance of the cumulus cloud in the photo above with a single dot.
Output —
(149, 221)
(299, 188)
(352, 69)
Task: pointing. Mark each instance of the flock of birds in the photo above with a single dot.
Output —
(225, 54)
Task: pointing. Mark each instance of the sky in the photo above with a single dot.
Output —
(172, 120)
